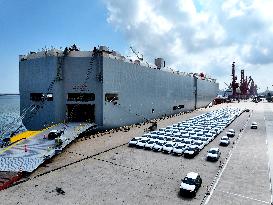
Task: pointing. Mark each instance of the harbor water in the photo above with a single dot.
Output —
(9, 114)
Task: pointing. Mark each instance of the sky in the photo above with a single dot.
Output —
(191, 35)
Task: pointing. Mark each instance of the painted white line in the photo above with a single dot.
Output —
(219, 177)
(226, 163)
(246, 197)
(268, 164)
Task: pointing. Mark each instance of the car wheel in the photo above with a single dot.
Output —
(194, 193)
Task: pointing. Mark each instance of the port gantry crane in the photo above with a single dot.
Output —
(245, 89)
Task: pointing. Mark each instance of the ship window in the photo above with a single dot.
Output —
(36, 96)
(111, 97)
(153, 110)
(84, 97)
(174, 107)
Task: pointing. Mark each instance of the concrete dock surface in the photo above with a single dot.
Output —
(102, 169)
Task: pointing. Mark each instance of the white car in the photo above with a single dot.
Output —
(254, 125)
(213, 154)
(141, 143)
(179, 149)
(178, 134)
(190, 184)
(209, 135)
(231, 133)
(191, 151)
(168, 139)
(152, 133)
(192, 133)
(185, 135)
(200, 134)
(161, 133)
(150, 144)
(178, 140)
(168, 147)
(224, 141)
(133, 141)
(188, 141)
(168, 128)
(147, 135)
(199, 143)
(205, 140)
(158, 146)
(213, 132)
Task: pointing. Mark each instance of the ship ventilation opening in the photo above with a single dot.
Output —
(81, 113)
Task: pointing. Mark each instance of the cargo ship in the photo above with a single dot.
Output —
(103, 87)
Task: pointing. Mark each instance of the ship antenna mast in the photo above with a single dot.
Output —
(137, 55)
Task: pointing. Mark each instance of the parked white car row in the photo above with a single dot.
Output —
(190, 136)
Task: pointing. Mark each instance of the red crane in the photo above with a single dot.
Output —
(244, 85)
(234, 85)
(247, 87)
(252, 87)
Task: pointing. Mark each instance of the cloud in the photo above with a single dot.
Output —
(199, 35)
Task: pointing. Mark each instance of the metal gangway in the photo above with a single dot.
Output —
(28, 154)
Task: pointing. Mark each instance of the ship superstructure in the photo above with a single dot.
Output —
(104, 87)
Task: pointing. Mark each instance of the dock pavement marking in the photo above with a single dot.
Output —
(220, 175)
(268, 130)
(246, 197)
(225, 165)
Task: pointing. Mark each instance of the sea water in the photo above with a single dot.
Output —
(10, 114)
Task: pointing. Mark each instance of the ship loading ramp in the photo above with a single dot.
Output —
(28, 154)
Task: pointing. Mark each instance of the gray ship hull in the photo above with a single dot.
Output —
(102, 89)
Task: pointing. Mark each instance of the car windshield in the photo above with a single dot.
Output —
(169, 145)
(151, 142)
(178, 140)
(189, 181)
(213, 151)
(143, 141)
(160, 143)
(179, 147)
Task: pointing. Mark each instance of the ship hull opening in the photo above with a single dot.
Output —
(80, 113)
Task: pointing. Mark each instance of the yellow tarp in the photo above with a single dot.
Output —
(24, 135)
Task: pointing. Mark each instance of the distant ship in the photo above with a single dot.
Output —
(105, 88)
